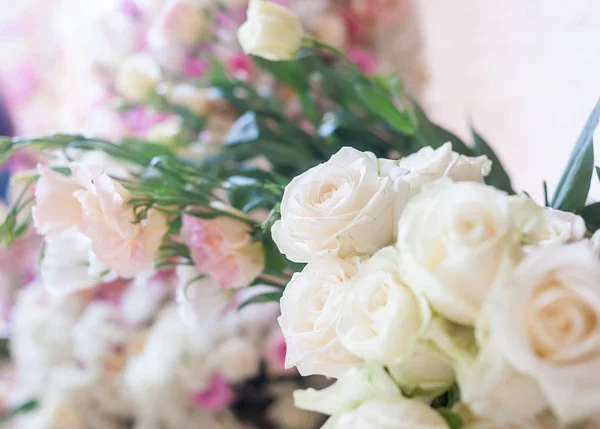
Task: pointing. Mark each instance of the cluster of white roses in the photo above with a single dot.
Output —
(420, 277)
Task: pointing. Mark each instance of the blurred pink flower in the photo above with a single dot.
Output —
(140, 120)
(129, 8)
(19, 82)
(240, 66)
(363, 58)
(223, 249)
(195, 67)
(276, 350)
(218, 395)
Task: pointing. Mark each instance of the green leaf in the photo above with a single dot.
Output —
(294, 73)
(308, 107)
(453, 419)
(25, 407)
(4, 348)
(431, 134)
(381, 106)
(262, 298)
(245, 129)
(498, 177)
(591, 215)
(573, 188)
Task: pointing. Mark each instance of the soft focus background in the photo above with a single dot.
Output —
(523, 72)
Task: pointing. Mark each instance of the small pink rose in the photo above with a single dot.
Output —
(240, 66)
(223, 249)
(218, 396)
(195, 67)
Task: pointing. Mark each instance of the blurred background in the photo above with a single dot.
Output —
(523, 72)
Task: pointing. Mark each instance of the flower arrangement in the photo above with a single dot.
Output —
(406, 266)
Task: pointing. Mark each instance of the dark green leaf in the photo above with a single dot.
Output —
(25, 407)
(4, 348)
(308, 107)
(381, 106)
(431, 134)
(453, 419)
(573, 188)
(294, 73)
(262, 298)
(591, 215)
(498, 177)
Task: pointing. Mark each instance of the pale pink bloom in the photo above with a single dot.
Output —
(118, 241)
(130, 9)
(56, 208)
(218, 395)
(183, 22)
(363, 58)
(20, 82)
(223, 249)
(140, 120)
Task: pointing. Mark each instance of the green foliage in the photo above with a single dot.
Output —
(453, 419)
(25, 407)
(573, 188)
(262, 298)
(498, 177)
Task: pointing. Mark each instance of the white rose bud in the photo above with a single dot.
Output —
(560, 227)
(430, 164)
(455, 240)
(545, 321)
(272, 31)
(346, 205)
(358, 385)
(395, 413)
(310, 309)
(493, 389)
(137, 77)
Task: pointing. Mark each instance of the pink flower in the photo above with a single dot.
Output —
(218, 396)
(195, 67)
(129, 8)
(140, 120)
(56, 208)
(118, 241)
(239, 65)
(276, 350)
(20, 82)
(223, 249)
(183, 22)
(363, 58)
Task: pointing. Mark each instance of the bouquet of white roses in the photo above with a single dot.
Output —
(406, 266)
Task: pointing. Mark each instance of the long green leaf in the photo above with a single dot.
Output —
(431, 134)
(574, 185)
(378, 104)
(591, 215)
(498, 177)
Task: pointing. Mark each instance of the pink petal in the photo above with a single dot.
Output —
(217, 396)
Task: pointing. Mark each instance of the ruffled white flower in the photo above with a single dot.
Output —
(430, 164)
(560, 227)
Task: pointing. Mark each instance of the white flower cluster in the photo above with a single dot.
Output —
(120, 356)
(420, 277)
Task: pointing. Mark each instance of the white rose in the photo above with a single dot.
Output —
(543, 421)
(455, 240)
(310, 308)
(341, 207)
(137, 77)
(382, 318)
(430, 164)
(396, 413)
(561, 227)
(493, 389)
(272, 31)
(357, 386)
(546, 322)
